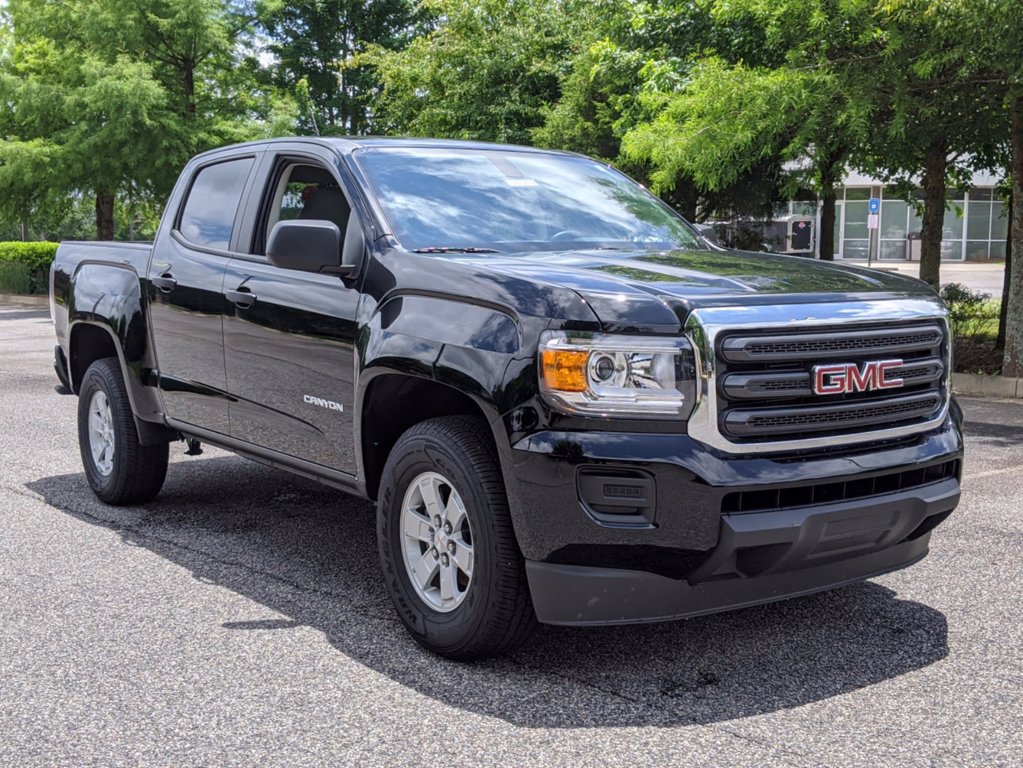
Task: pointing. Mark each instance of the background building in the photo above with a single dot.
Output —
(975, 226)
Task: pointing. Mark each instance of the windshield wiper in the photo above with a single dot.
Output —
(454, 249)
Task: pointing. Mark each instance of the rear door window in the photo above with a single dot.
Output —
(208, 216)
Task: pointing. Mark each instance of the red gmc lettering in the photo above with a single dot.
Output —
(865, 380)
(823, 385)
(849, 377)
(882, 369)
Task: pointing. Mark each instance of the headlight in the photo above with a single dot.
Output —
(624, 376)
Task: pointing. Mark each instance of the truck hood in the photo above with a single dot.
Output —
(655, 290)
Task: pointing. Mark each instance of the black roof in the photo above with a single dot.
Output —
(348, 144)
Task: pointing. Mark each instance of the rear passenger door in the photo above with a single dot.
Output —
(185, 284)
(289, 335)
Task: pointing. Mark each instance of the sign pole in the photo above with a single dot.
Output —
(873, 209)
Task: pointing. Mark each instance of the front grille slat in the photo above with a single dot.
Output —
(765, 380)
(754, 386)
(830, 345)
(755, 422)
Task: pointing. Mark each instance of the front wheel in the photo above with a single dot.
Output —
(452, 566)
(118, 468)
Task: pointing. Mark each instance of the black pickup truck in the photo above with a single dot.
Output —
(568, 406)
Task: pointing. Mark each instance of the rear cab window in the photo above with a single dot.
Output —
(208, 214)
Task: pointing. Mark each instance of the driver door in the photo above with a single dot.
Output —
(289, 336)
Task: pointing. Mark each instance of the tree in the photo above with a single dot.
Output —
(68, 106)
(316, 42)
(932, 126)
(634, 56)
(489, 70)
(107, 96)
(977, 46)
(798, 97)
(729, 120)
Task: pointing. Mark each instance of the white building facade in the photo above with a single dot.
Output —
(975, 227)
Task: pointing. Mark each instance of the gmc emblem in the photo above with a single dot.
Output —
(843, 378)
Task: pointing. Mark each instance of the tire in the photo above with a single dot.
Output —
(487, 613)
(119, 470)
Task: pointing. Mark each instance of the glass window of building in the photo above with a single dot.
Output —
(952, 227)
(894, 227)
(855, 234)
(986, 224)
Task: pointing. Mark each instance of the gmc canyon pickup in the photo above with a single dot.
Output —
(567, 405)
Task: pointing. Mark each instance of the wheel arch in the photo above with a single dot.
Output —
(90, 341)
(394, 401)
(107, 317)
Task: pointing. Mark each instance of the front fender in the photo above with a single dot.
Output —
(465, 345)
(463, 349)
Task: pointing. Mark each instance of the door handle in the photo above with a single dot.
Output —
(241, 297)
(165, 282)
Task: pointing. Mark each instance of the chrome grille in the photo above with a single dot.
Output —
(765, 380)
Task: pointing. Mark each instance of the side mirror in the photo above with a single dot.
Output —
(309, 246)
(314, 245)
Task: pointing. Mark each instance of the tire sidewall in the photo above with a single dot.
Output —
(438, 630)
(97, 379)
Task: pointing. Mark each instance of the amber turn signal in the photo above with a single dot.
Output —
(565, 370)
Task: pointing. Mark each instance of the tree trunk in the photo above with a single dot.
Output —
(188, 77)
(104, 216)
(1012, 362)
(24, 229)
(826, 237)
(934, 214)
(1003, 310)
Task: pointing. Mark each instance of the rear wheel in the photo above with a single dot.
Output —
(450, 559)
(118, 468)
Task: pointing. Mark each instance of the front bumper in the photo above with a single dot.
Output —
(760, 558)
(695, 548)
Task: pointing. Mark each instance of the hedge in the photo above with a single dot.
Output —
(25, 267)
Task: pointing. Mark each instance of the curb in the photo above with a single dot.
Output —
(19, 300)
(987, 386)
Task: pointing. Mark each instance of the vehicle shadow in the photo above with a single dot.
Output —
(308, 553)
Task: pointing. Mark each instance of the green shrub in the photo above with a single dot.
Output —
(972, 313)
(25, 267)
(974, 319)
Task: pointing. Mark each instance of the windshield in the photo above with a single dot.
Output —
(438, 200)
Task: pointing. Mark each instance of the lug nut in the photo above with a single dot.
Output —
(444, 560)
(447, 528)
(451, 547)
(436, 520)
(434, 553)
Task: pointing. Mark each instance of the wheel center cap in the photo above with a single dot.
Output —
(439, 539)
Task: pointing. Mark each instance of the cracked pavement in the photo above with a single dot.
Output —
(239, 619)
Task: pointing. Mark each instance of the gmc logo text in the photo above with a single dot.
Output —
(843, 378)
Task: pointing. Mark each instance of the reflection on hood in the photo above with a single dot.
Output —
(657, 288)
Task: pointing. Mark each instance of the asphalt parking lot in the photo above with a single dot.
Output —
(239, 620)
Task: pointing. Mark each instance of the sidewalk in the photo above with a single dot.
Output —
(977, 276)
(28, 302)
